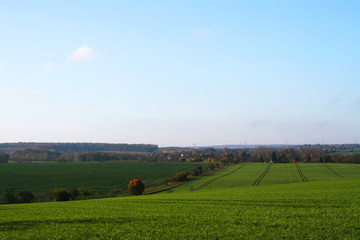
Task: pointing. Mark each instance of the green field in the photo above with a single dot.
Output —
(99, 177)
(247, 174)
(230, 204)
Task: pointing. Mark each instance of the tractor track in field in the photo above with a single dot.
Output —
(355, 165)
(333, 171)
(304, 179)
(258, 180)
(216, 178)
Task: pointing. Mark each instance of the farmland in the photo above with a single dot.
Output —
(231, 204)
(249, 174)
(94, 176)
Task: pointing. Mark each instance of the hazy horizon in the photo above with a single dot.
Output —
(180, 73)
(194, 145)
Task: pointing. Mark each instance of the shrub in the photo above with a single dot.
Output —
(84, 192)
(213, 166)
(196, 171)
(10, 196)
(26, 197)
(74, 193)
(136, 187)
(63, 158)
(61, 194)
(114, 192)
(45, 195)
(180, 176)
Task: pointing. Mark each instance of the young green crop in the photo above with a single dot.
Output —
(100, 177)
(327, 209)
(278, 173)
(315, 210)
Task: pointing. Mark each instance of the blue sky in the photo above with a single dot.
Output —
(180, 72)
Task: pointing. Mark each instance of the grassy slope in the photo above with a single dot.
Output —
(320, 171)
(316, 210)
(96, 176)
(246, 174)
(232, 176)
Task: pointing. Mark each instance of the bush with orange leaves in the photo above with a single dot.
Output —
(180, 177)
(136, 187)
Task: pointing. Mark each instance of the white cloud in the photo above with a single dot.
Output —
(82, 53)
(49, 66)
(200, 35)
(20, 92)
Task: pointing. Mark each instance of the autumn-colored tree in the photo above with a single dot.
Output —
(180, 176)
(136, 187)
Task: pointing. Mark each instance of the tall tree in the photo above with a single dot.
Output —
(273, 157)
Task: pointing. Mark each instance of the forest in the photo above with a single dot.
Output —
(79, 147)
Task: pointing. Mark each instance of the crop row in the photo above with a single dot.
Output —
(333, 171)
(304, 179)
(264, 174)
(277, 211)
(99, 178)
(258, 180)
(216, 178)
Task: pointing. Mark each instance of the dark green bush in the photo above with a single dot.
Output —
(74, 193)
(61, 194)
(10, 196)
(26, 197)
(84, 192)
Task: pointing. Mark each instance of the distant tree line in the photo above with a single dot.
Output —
(34, 155)
(110, 156)
(209, 155)
(80, 147)
(305, 153)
